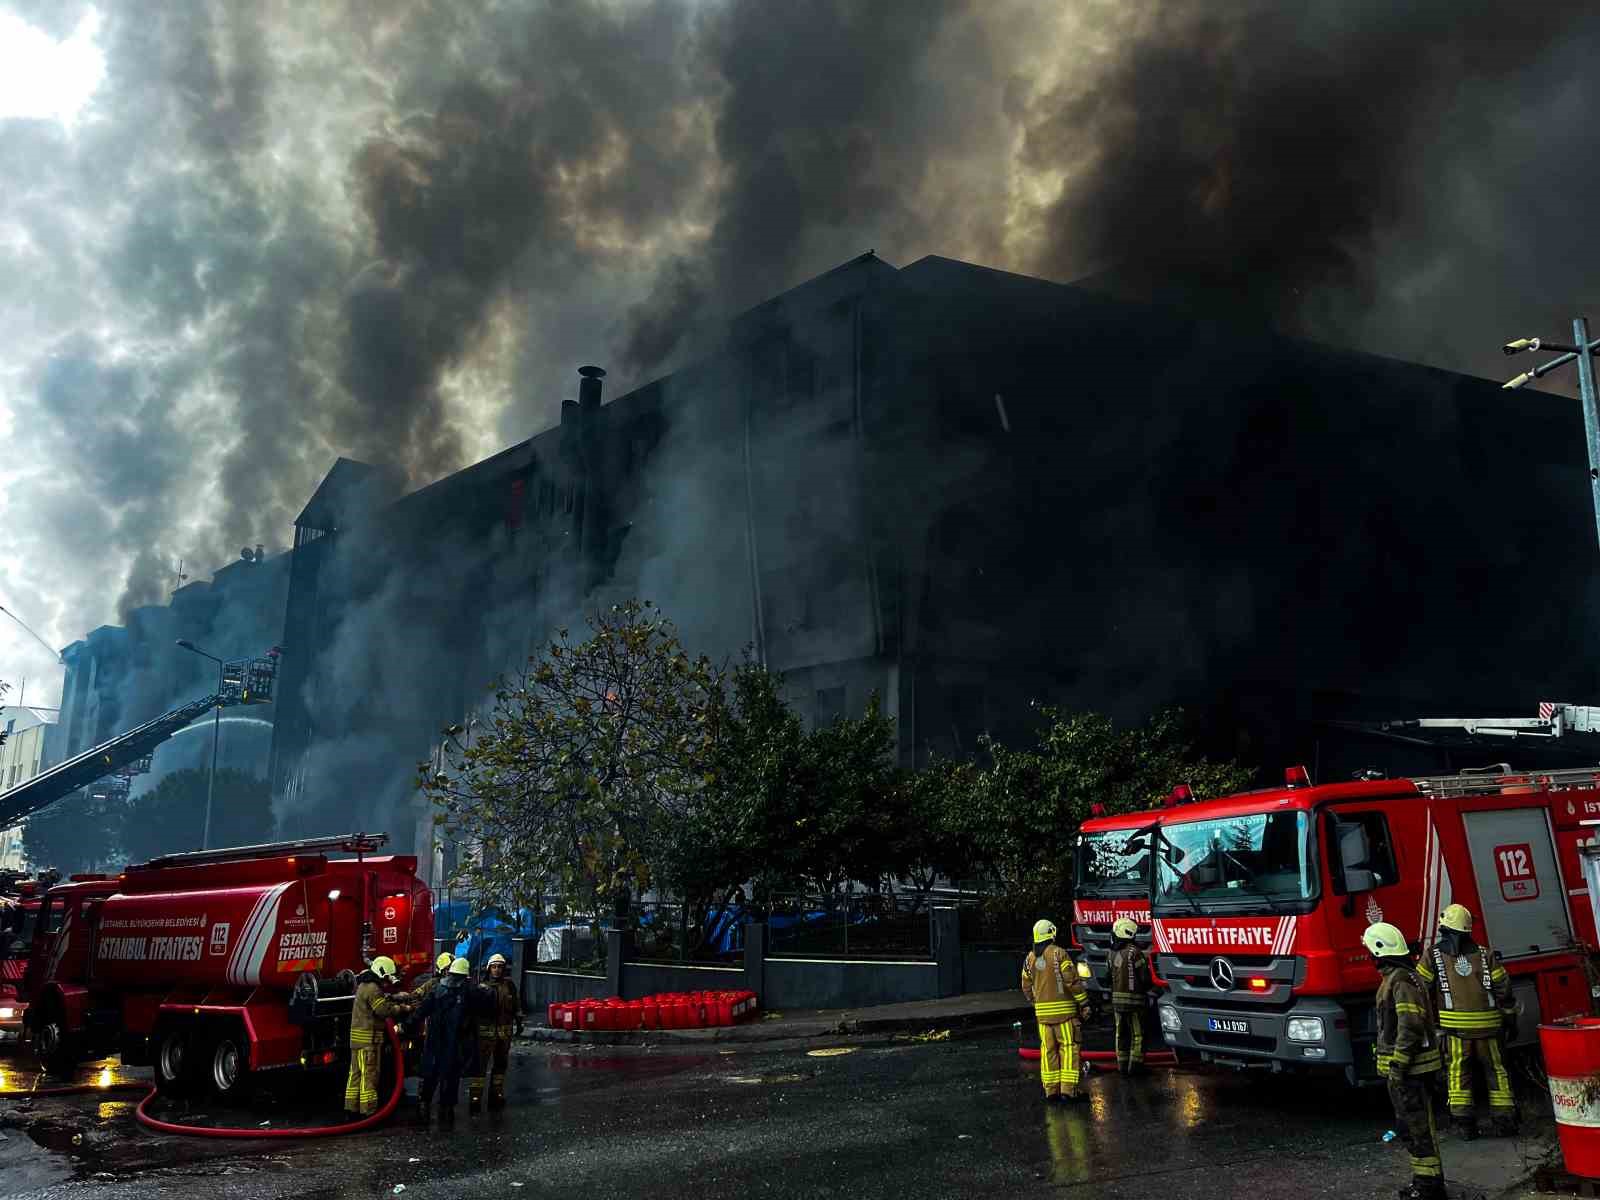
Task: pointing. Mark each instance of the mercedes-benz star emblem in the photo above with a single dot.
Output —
(1221, 974)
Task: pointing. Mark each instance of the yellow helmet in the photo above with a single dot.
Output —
(383, 967)
(461, 967)
(442, 963)
(1124, 928)
(1385, 941)
(1043, 931)
(1457, 917)
(495, 958)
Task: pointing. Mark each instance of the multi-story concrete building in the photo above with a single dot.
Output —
(22, 756)
(964, 491)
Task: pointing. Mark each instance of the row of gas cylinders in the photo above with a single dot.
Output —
(664, 1010)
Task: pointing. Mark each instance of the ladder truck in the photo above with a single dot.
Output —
(109, 768)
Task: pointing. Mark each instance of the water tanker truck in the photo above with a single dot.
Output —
(218, 967)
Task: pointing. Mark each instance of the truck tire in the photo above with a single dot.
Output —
(228, 1065)
(173, 1069)
(55, 1048)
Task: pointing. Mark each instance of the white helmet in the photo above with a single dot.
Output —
(493, 959)
(1385, 941)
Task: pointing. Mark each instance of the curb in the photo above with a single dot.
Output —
(778, 1031)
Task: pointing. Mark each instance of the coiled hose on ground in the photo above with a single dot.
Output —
(312, 1131)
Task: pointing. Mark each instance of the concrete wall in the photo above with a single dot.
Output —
(542, 988)
(990, 970)
(845, 983)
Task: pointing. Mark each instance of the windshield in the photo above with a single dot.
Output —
(16, 930)
(1246, 859)
(1116, 863)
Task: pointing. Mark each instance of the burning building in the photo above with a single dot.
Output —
(964, 491)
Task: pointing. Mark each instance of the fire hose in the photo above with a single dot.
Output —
(1155, 1058)
(356, 1126)
(311, 1131)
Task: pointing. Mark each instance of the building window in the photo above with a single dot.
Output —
(830, 705)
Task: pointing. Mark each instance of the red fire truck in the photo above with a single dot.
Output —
(1110, 880)
(1259, 901)
(218, 966)
(19, 911)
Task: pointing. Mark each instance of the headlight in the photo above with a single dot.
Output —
(7, 1013)
(1169, 1018)
(1083, 971)
(1305, 1029)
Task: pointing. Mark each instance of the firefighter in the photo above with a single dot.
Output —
(418, 994)
(499, 1016)
(1471, 993)
(1408, 1056)
(452, 1044)
(367, 1015)
(1130, 987)
(1050, 982)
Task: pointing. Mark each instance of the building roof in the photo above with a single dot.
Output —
(27, 716)
(349, 489)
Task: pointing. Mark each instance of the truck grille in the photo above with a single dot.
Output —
(1235, 1041)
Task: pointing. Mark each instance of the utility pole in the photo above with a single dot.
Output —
(1583, 350)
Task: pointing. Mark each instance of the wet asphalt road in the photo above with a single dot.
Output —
(929, 1120)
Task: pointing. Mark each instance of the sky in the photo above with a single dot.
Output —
(240, 239)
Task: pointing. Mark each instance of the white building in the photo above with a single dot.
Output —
(21, 758)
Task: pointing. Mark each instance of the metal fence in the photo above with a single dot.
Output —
(667, 931)
(865, 925)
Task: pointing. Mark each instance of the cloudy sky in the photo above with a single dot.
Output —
(239, 238)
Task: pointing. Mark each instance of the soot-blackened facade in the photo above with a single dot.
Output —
(965, 491)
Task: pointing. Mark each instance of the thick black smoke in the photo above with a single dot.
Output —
(390, 230)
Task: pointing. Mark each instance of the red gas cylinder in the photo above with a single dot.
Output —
(1572, 1063)
(649, 1013)
(723, 1008)
(589, 1012)
(550, 1013)
(568, 1014)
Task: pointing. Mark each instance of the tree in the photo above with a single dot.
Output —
(170, 817)
(585, 762)
(1023, 821)
(78, 833)
(929, 840)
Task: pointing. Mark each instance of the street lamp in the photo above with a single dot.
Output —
(1583, 350)
(216, 734)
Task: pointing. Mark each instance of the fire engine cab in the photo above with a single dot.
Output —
(1111, 880)
(1259, 900)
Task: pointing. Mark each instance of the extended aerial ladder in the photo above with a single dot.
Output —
(113, 764)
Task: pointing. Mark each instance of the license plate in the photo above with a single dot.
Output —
(1218, 1025)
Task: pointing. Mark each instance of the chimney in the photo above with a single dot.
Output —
(589, 388)
(595, 520)
(261, 552)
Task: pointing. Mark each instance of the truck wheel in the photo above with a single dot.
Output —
(56, 1049)
(172, 1061)
(230, 1066)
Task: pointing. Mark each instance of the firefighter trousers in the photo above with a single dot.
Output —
(1413, 1112)
(1459, 1055)
(494, 1053)
(1059, 1069)
(446, 1084)
(1130, 1037)
(361, 1089)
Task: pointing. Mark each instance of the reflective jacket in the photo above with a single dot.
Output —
(370, 1010)
(1407, 1042)
(1130, 979)
(1050, 982)
(498, 1008)
(1471, 992)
